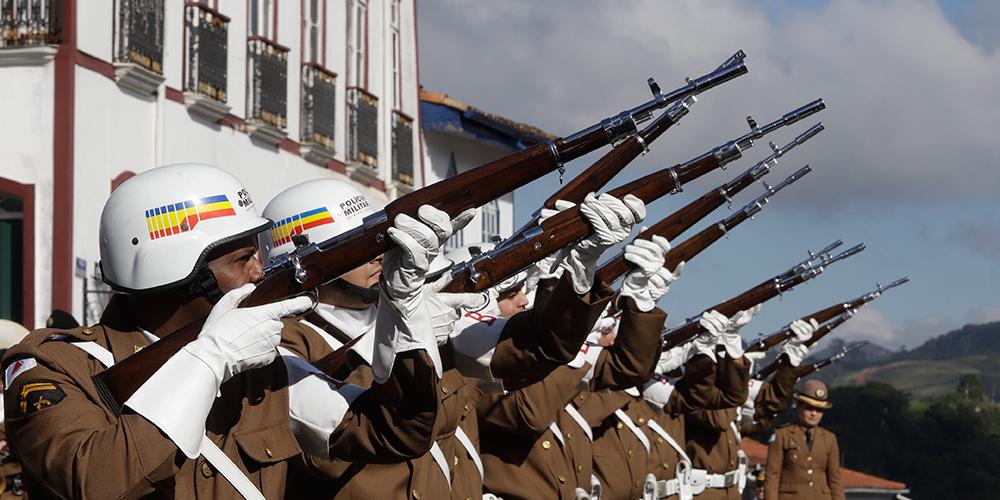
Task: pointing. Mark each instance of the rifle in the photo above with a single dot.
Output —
(823, 329)
(824, 315)
(313, 264)
(803, 371)
(569, 226)
(595, 177)
(757, 295)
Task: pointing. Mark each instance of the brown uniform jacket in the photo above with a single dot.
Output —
(795, 472)
(711, 443)
(64, 433)
(772, 397)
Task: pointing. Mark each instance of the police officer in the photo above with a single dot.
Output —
(803, 460)
(224, 416)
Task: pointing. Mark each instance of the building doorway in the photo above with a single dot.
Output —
(12, 263)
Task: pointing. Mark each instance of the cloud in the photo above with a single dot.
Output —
(911, 109)
(977, 20)
(982, 238)
(986, 313)
(871, 324)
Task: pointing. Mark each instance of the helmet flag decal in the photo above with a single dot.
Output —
(283, 231)
(184, 216)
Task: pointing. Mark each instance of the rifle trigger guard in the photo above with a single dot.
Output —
(559, 163)
(729, 199)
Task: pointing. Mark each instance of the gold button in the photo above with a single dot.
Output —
(579, 468)
(546, 444)
(659, 439)
(665, 466)
(466, 407)
(562, 479)
(206, 470)
(444, 389)
(268, 452)
(569, 434)
(810, 471)
(87, 331)
(641, 420)
(809, 459)
(630, 453)
(619, 426)
(637, 483)
(810, 483)
(415, 494)
(456, 460)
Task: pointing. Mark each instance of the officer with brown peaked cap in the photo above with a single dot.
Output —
(803, 460)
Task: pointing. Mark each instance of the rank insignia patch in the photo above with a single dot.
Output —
(38, 396)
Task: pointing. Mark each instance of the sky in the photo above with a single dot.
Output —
(908, 163)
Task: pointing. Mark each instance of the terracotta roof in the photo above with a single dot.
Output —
(522, 128)
(757, 453)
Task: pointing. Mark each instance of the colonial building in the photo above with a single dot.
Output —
(276, 92)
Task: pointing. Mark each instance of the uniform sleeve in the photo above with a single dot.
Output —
(531, 409)
(833, 471)
(711, 420)
(775, 461)
(732, 379)
(632, 359)
(600, 405)
(63, 435)
(393, 421)
(695, 389)
(540, 339)
(774, 393)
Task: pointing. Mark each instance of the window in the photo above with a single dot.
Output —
(363, 117)
(357, 36)
(267, 76)
(207, 47)
(11, 258)
(491, 220)
(28, 23)
(397, 53)
(262, 18)
(313, 30)
(402, 148)
(140, 34)
(319, 99)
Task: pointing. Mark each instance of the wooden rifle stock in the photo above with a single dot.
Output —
(803, 371)
(820, 332)
(563, 229)
(328, 260)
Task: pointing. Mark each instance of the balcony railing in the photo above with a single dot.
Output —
(319, 112)
(26, 23)
(402, 148)
(363, 140)
(207, 48)
(267, 64)
(140, 34)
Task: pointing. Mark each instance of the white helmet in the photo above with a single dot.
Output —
(11, 333)
(468, 252)
(157, 227)
(320, 209)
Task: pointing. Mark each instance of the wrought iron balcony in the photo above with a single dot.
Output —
(28, 23)
(402, 148)
(319, 112)
(140, 34)
(207, 48)
(267, 92)
(363, 136)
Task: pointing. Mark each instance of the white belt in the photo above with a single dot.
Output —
(208, 449)
(632, 427)
(442, 462)
(575, 415)
(470, 449)
(701, 479)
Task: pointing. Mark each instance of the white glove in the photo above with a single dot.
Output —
(235, 340)
(404, 322)
(714, 323)
(611, 220)
(446, 308)
(648, 281)
(796, 347)
(547, 267)
(232, 341)
(672, 358)
(730, 338)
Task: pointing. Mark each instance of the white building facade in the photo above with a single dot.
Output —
(274, 91)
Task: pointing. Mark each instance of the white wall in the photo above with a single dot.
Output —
(26, 130)
(95, 22)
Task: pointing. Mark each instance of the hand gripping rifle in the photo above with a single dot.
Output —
(803, 371)
(569, 226)
(758, 294)
(824, 315)
(315, 263)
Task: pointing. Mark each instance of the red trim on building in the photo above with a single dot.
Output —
(289, 145)
(62, 162)
(377, 184)
(120, 178)
(367, 36)
(95, 64)
(420, 119)
(325, 29)
(337, 166)
(274, 24)
(172, 94)
(26, 192)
